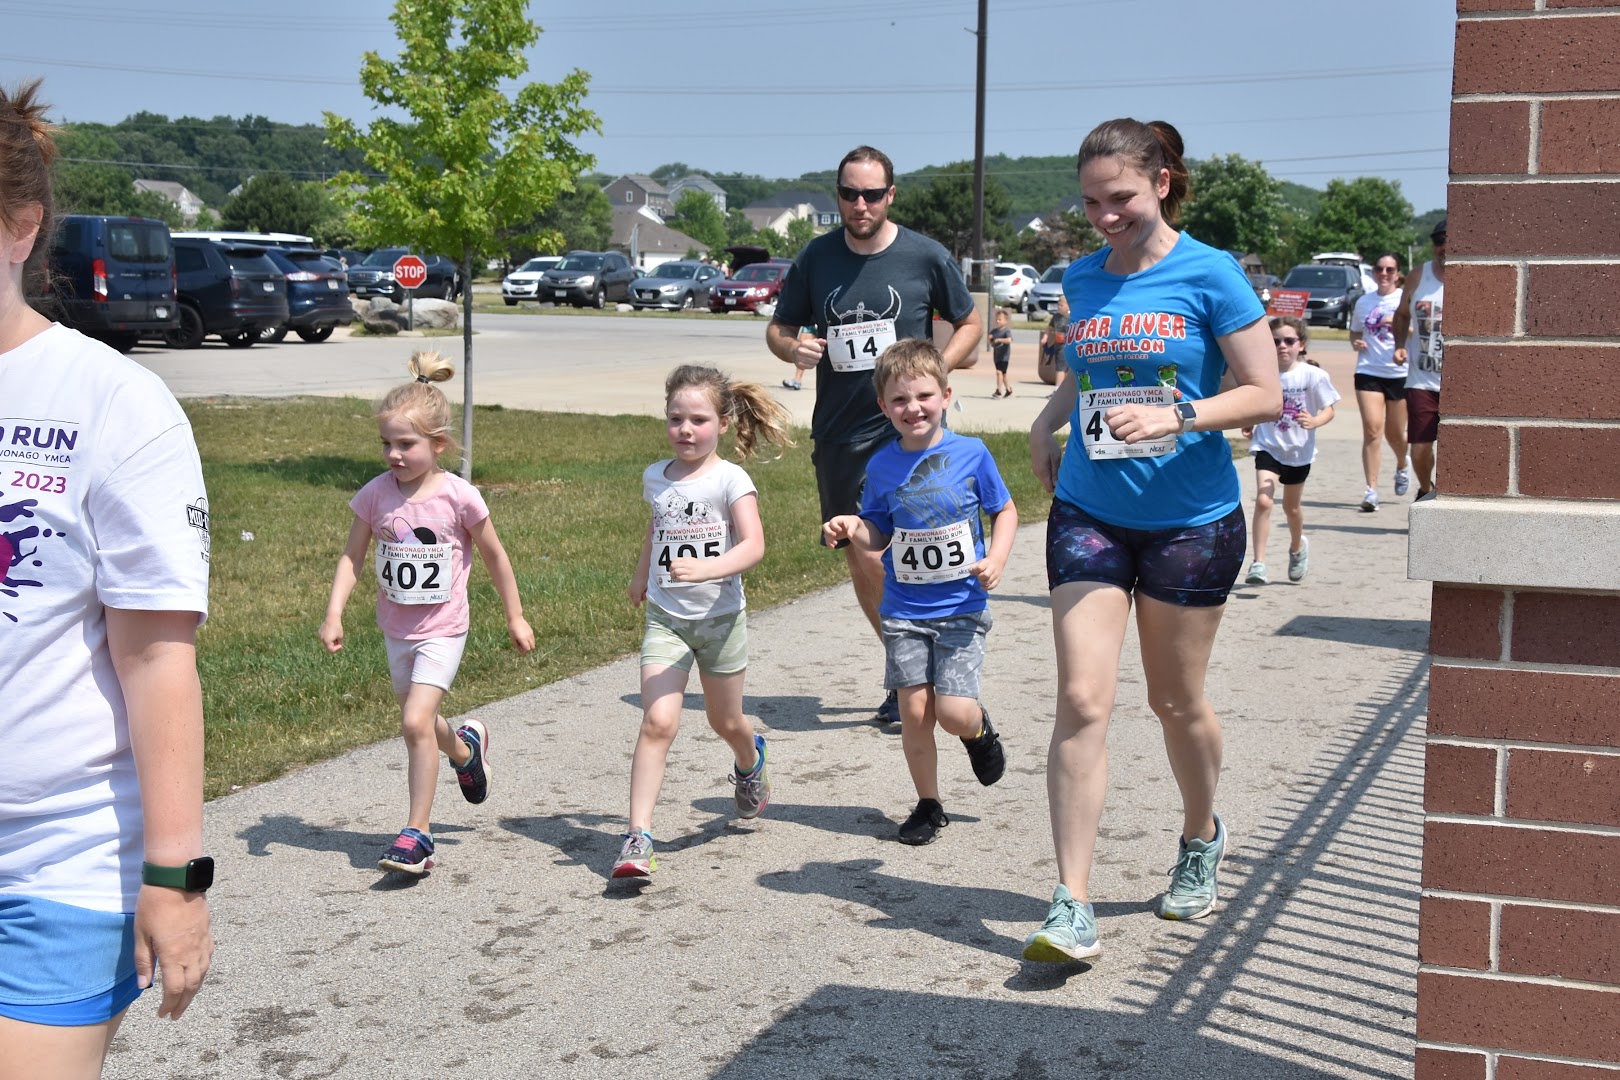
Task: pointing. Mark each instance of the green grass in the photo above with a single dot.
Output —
(564, 493)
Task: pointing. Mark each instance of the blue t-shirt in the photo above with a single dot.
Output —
(1156, 327)
(933, 489)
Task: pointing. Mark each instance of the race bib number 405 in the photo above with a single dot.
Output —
(1099, 440)
(414, 573)
(925, 556)
(700, 540)
(856, 346)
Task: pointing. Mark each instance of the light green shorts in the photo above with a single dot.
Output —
(720, 644)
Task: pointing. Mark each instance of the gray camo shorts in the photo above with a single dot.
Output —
(945, 653)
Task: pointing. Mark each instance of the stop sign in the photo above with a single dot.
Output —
(409, 272)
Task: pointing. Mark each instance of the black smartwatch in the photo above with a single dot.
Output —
(1188, 414)
(195, 876)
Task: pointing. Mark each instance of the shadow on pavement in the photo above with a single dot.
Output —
(1408, 635)
(781, 712)
(360, 848)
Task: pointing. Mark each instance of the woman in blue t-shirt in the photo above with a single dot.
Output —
(1146, 505)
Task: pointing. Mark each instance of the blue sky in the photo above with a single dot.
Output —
(1314, 89)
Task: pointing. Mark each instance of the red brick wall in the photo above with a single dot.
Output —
(1519, 925)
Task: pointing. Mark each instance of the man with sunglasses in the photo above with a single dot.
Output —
(1420, 345)
(862, 288)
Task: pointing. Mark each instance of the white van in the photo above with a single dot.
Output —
(1349, 258)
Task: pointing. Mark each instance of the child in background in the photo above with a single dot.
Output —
(426, 522)
(1001, 354)
(1283, 451)
(921, 506)
(704, 533)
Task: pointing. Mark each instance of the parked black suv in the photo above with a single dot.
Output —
(232, 290)
(588, 277)
(1334, 291)
(114, 278)
(375, 276)
(317, 295)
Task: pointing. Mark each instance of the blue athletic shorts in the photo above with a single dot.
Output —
(1190, 567)
(63, 965)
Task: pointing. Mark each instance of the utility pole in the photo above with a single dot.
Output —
(978, 152)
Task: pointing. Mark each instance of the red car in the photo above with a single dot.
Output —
(747, 288)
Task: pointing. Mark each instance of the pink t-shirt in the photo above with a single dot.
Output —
(442, 518)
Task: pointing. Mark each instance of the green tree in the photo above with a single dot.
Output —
(1067, 236)
(1235, 206)
(1365, 215)
(673, 171)
(943, 209)
(580, 220)
(800, 231)
(697, 216)
(463, 167)
(275, 202)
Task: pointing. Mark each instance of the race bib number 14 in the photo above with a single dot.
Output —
(1099, 440)
(414, 573)
(856, 346)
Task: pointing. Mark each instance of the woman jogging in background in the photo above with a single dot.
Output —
(1380, 380)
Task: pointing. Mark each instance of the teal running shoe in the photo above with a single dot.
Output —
(1069, 932)
(1192, 893)
(753, 788)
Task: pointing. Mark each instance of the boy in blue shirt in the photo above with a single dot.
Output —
(921, 506)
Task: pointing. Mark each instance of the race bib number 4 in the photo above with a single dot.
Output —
(1099, 440)
(701, 540)
(856, 346)
(414, 573)
(925, 556)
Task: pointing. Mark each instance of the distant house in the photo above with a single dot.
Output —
(769, 217)
(1027, 222)
(819, 208)
(636, 191)
(177, 193)
(694, 182)
(648, 241)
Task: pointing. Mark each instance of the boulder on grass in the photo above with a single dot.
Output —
(435, 314)
(382, 316)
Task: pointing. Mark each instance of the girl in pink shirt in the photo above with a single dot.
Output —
(426, 522)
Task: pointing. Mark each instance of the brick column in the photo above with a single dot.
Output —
(1519, 937)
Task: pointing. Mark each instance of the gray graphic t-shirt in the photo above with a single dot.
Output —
(862, 304)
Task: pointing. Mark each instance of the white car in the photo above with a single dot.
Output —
(1011, 285)
(1349, 258)
(524, 282)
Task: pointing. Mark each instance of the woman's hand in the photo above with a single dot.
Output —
(1140, 423)
(1045, 457)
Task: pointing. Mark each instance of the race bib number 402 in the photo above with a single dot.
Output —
(856, 346)
(1099, 440)
(414, 573)
(700, 540)
(925, 556)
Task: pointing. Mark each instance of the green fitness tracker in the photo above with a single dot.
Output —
(195, 876)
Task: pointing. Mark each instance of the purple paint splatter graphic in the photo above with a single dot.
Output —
(13, 555)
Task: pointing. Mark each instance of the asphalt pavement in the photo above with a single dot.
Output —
(812, 943)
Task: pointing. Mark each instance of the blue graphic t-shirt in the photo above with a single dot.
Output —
(928, 502)
(1157, 327)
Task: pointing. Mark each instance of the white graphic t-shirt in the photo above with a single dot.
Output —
(1306, 390)
(101, 505)
(692, 518)
(1374, 320)
(1426, 348)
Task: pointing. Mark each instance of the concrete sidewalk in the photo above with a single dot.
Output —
(814, 944)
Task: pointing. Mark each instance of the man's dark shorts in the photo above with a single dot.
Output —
(1422, 415)
(841, 474)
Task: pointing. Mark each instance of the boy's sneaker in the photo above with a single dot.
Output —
(995, 395)
(1069, 932)
(636, 856)
(924, 823)
(1369, 500)
(1257, 574)
(474, 776)
(889, 711)
(1192, 891)
(1299, 562)
(984, 751)
(1403, 479)
(411, 853)
(792, 384)
(753, 787)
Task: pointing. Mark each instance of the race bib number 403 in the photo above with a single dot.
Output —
(856, 346)
(700, 540)
(1099, 440)
(414, 573)
(926, 556)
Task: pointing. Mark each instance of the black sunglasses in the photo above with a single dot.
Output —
(870, 194)
(1285, 341)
